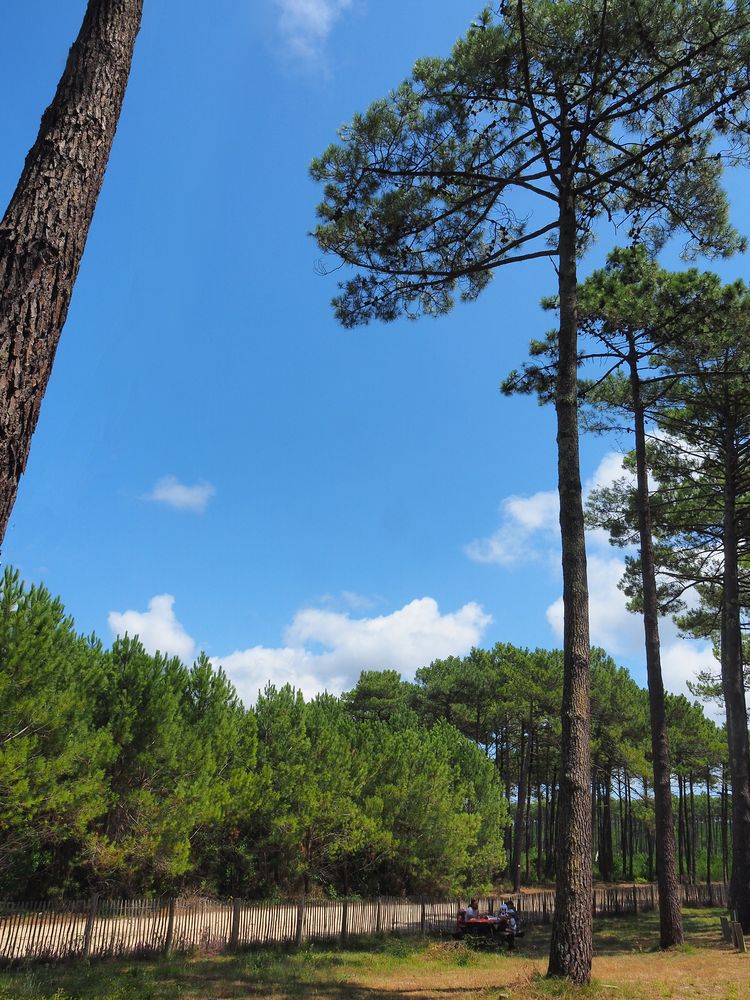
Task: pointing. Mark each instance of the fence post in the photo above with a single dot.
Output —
(169, 938)
(378, 919)
(300, 921)
(345, 920)
(90, 918)
(635, 900)
(234, 936)
(739, 937)
(422, 920)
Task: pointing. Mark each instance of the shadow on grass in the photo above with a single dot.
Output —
(622, 935)
(336, 972)
(271, 974)
(201, 982)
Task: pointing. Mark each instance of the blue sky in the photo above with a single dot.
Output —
(218, 465)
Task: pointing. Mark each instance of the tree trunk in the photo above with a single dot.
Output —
(606, 853)
(630, 830)
(693, 834)
(43, 233)
(724, 808)
(734, 694)
(550, 868)
(709, 828)
(571, 946)
(519, 825)
(623, 828)
(528, 817)
(686, 829)
(680, 827)
(595, 822)
(670, 904)
(539, 829)
(508, 837)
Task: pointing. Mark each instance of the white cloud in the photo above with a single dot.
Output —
(607, 471)
(681, 661)
(327, 650)
(306, 24)
(322, 649)
(522, 519)
(529, 525)
(157, 628)
(171, 491)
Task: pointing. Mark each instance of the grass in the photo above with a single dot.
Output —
(627, 965)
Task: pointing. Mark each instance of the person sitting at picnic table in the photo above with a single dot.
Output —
(472, 910)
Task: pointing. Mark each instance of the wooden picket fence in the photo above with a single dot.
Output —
(539, 907)
(95, 928)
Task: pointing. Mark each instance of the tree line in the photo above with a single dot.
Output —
(507, 700)
(132, 773)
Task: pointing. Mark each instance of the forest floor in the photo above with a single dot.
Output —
(627, 965)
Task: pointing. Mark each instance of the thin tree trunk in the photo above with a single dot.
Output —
(649, 839)
(724, 826)
(693, 833)
(595, 822)
(630, 831)
(734, 694)
(571, 945)
(709, 828)
(623, 837)
(539, 829)
(519, 825)
(44, 231)
(508, 838)
(528, 814)
(681, 826)
(606, 854)
(670, 904)
(551, 864)
(686, 828)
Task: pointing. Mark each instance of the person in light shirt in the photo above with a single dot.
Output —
(472, 910)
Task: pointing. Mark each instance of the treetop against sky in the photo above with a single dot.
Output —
(218, 464)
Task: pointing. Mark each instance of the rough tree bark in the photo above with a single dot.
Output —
(734, 693)
(670, 901)
(571, 947)
(43, 233)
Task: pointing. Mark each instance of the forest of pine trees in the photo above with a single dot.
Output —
(133, 773)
